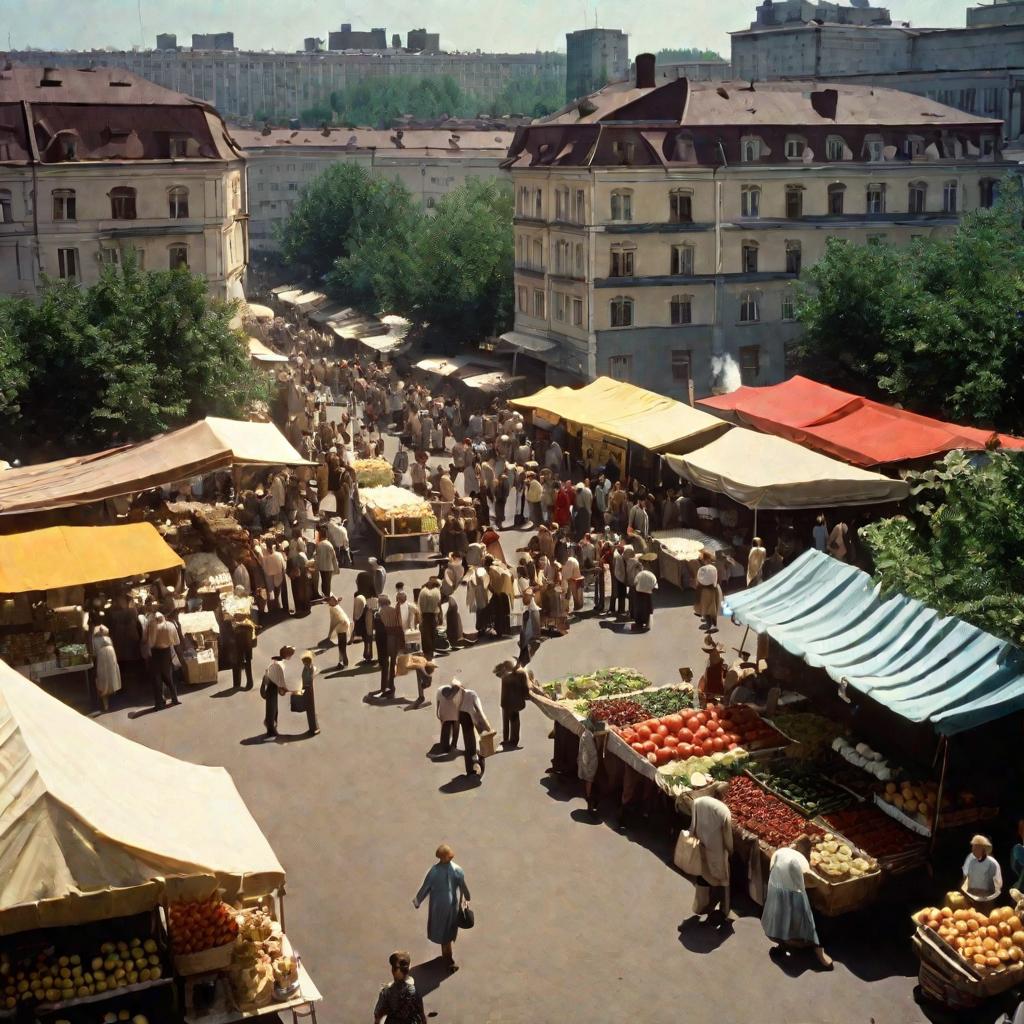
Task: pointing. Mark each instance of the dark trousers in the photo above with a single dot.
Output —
(387, 655)
(449, 732)
(343, 650)
(618, 597)
(344, 557)
(282, 596)
(643, 607)
(468, 741)
(325, 583)
(300, 591)
(242, 660)
(163, 676)
(311, 722)
(270, 710)
(510, 727)
(428, 635)
(498, 612)
(599, 589)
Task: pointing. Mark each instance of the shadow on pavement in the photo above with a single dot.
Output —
(704, 936)
(460, 784)
(262, 738)
(429, 975)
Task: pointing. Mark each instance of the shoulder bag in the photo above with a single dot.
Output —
(687, 856)
(465, 918)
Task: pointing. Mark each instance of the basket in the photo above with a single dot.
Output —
(202, 668)
(845, 895)
(216, 959)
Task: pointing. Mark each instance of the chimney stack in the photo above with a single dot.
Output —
(645, 70)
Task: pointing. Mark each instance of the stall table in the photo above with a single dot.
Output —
(66, 670)
(678, 570)
(224, 1011)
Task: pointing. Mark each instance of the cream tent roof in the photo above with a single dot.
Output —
(88, 837)
(199, 448)
(763, 471)
(263, 354)
(623, 410)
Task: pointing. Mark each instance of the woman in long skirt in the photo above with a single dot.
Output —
(108, 673)
(445, 887)
(787, 917)
(712, 826)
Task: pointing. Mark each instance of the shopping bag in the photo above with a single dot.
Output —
(687, 855)
(298, 702)
(465, 917)
(487, 743)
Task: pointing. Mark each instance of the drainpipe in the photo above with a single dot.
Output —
(717, 339)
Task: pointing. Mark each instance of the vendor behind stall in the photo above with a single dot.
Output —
(983, 878)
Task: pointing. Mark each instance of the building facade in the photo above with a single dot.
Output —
(659, 229)
(251, 85)
(978, 69)
(96, 163)
(593, 58)
(430, 163)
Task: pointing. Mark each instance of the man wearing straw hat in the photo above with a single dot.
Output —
(983, 878)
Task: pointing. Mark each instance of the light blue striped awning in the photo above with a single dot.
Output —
(901, 653)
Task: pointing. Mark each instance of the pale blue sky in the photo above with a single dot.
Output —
(516, 26)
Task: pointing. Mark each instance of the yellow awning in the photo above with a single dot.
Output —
(623, 410)
(68, 556)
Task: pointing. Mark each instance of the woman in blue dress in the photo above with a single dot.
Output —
(445, 886)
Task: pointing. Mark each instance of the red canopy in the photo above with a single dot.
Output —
(855, 429)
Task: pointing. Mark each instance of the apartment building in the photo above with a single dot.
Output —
(96, 163)
(659, 228)
(593, 58)
(430, 163)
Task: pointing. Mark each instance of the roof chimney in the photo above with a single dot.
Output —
(645, 70)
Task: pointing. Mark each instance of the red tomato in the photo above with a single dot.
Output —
(702, 718)
(708, 748)
(649, 747)
(718, 744)
(684, 751)
(711, 711)
(661, 731)
(701, 734)
(652, 723)
(664, 755)
(652, 758)
(638, 747)
(692, 723)
(732, 746)
(685, 736)
(674, 722)
(643, 733)
(627, 734)
(719, 731)
(670, 741)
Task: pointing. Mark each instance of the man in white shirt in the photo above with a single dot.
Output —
(708, 594)
(983, 878)
(163, 640)
(644, 586)
(337, 534)
(274, 685)
(573, 576)
(326, 560)
(339, 625)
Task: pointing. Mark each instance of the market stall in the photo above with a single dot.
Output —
(679, 553)
(397, 516)
(107, 901)
(47, 579)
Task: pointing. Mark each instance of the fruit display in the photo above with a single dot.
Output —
(801, 785)
(395, 507)
(698, 772)
(862, 756)
(665, 701)
(680, 736)
(815, 733)
(256, 960)
(835, 860)
(373, 472)
(199, 925)
(877, 834)
(752, 731)
(987, 943)
(620, 711)
(766, 816)
(605, 682)
(51, 978)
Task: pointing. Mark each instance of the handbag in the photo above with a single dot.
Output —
(264, 688)
(687, 855)
(298, 701)
(465, 918)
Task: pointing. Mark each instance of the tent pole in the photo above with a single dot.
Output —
(755, 521)
(938, 799)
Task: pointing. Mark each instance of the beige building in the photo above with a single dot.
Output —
(659, 228)
(428, 162)
(96, 163)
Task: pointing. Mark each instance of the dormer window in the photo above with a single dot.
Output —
(795, 147)
(750, 150)
(874, 149)
(179, 147)
(835, 148)
(624, 151)
(913, 147)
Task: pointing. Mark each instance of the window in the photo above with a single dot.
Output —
(918, 197)
(682, 261)
(835, 148)
(681, 365)
(836, 199)
(913, 146)
(63, 204)
(624, 151)
(577, 312)
(561, 306)
(988, 145)
(680, 206)
(6, 210)
(622, 312)
(750, 363)
(177, 201)
(523, 201)
(179, 149)
(875, 149)
(749, 311)
(794, 257)
(681, 309)
(538, 304)
(538, 204)
(748, 258)
(795, 149)
(293, 186)
(876, 198)
(750, 150)
(561, 204)
(622, 262)
(580, 261)
(788, 307)
(950, 197)
(620, 367)
(110, 257)
(579, 208)
(67, 264)
(750, 201)
(562, 257)
(794, 201)
(538, 255)
(988, 189)
(177, 257)
(520, 250)
(622, 205)
(122, 203)
(523, 299)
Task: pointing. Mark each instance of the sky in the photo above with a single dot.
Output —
(516, 26)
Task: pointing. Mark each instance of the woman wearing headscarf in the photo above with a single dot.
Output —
(712, 825)
(445, 887)
(108, 674)
(787, 917)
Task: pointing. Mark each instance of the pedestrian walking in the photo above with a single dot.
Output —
(163, 641)
(308, 700)
(787, 917)
(429, 604)
(339, 626)
(326, 559)
(445, 888)
(399, 1002)
(755, 562)
(471, 720)
(708, 604)
(390, 639)
(108, 673)
(337, 534)
(515, 689)
(449, 698)
(644, 585)
(273, 686)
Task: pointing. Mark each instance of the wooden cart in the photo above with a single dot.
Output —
(946, 979)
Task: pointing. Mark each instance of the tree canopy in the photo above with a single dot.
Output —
(960, 549)
(937, 325)
(670, 56)
(133, 355)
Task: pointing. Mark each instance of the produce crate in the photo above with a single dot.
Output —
(202, 668)
(846, 894)
(216, 959)
(807, 812)
(946, 979)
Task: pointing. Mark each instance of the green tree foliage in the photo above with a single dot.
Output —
(337, 211)
(960, 549)
(316, 115)
(688, 54)
(937, 325)
(136, 354)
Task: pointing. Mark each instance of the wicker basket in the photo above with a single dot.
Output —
(216, 959)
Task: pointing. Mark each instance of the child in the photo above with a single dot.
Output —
(308, 672)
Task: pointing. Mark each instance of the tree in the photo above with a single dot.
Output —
(937, 325)
(690, 53)
(338, 209)
(133, 355)
(960, 549)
